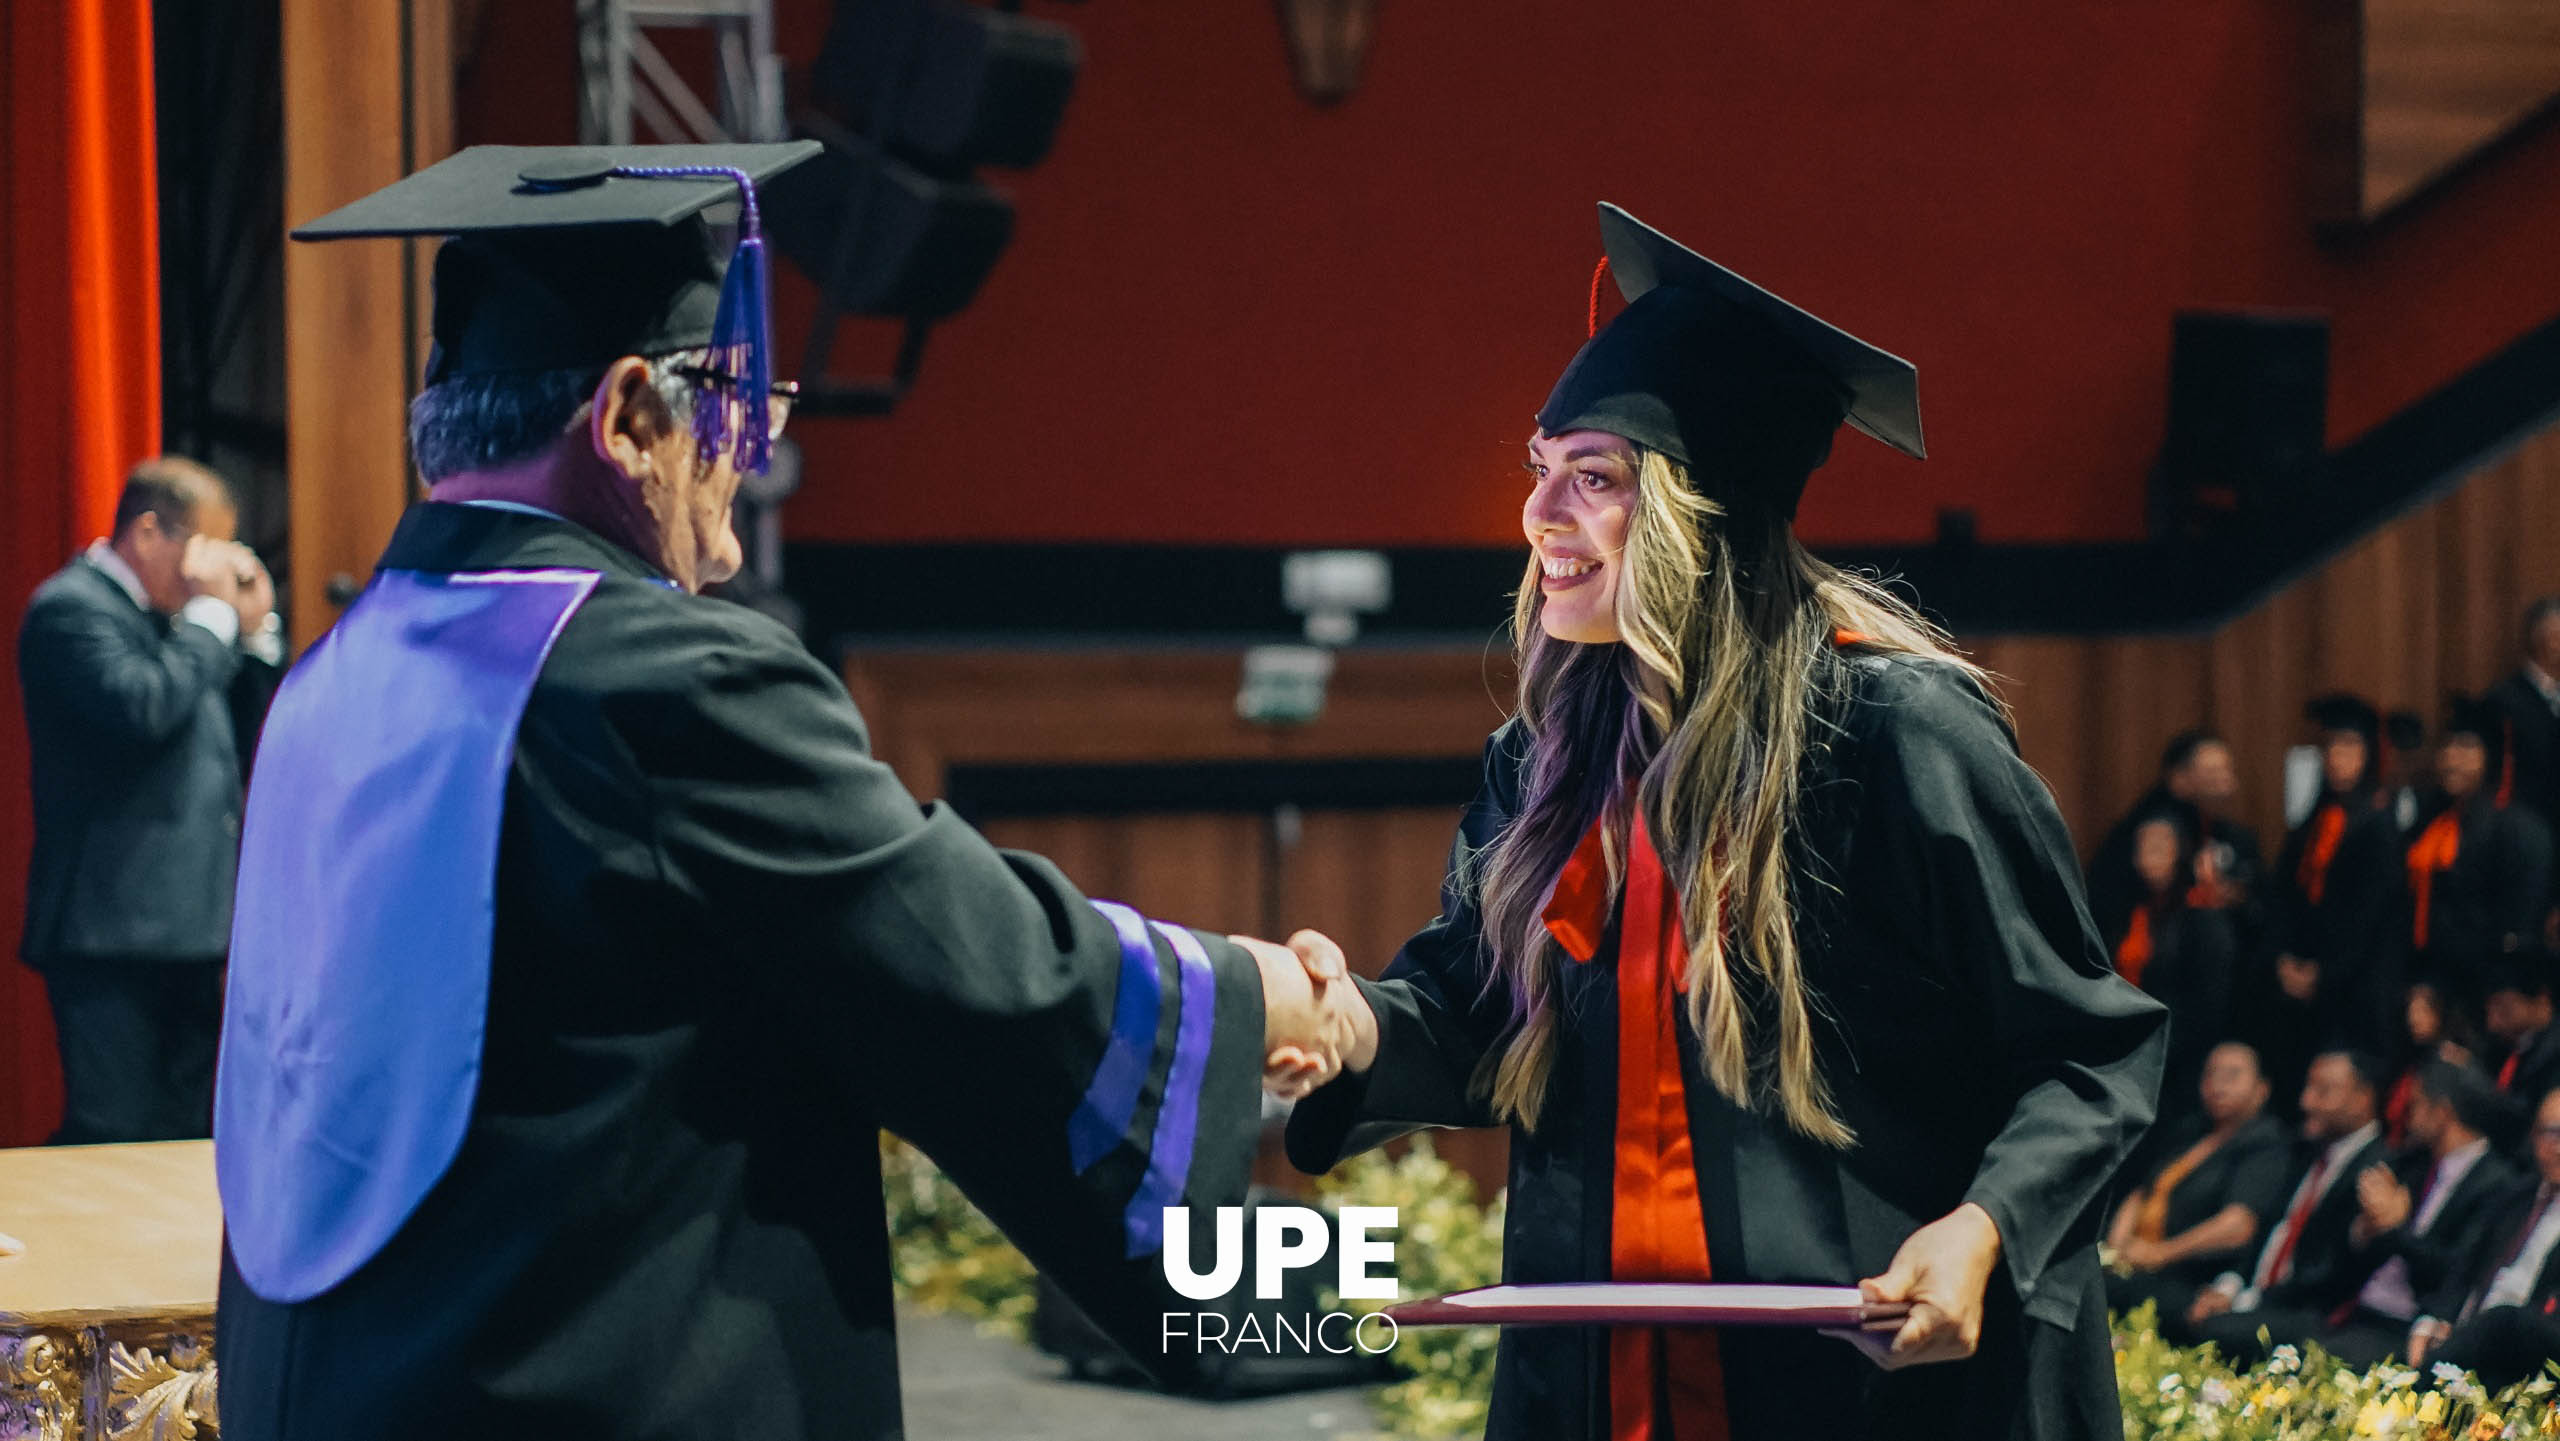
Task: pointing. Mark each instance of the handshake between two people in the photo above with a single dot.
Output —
(1316, 1024)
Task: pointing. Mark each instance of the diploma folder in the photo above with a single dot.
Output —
(1650, 1303)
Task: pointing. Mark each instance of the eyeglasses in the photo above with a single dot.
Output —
(779, 398)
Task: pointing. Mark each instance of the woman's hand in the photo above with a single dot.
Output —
(1941, 1272)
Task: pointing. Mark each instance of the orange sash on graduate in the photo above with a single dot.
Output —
(1657, 1230)
(2133, 953)
(2436, 849)
(2313, 875)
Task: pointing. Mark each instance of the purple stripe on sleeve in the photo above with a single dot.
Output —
(1111, 1100)
(1177, 1122)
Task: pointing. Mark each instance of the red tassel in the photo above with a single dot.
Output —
(1599, 273)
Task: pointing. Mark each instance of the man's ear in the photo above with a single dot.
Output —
(626, 420)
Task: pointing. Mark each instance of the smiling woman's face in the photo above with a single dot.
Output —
(1582, 492)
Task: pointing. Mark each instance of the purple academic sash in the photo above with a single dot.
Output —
(360, 939)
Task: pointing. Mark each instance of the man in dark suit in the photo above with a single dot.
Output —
(2529, 701)
(2498, 1314)
(137, 661)
(2418, 1224)
(2518, 1014)
(2306, 1269)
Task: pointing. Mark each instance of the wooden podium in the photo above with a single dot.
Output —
(106, 1314)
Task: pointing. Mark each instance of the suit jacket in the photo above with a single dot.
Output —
(1975, 1036)
(2501, 1230)
(2326, 1269)
(133, 732)
(2438, 1252)
(729, 948)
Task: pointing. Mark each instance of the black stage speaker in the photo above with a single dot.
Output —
(2248, 415)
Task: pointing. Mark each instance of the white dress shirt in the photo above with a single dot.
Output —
(2513, 1285)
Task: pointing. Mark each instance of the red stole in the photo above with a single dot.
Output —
(1657, 1231)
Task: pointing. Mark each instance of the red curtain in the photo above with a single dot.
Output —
(80, 367)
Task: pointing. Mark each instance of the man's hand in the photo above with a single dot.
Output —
(209, 568)
(256, 598)
(2209, 1303)
(1306, 1029)
(2423, 1338)
(2141, 1254)
(2299, 978)
(2383, 1200)
(1941, 1271)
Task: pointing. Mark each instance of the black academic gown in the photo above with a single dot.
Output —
(729, 949)
(2488, 903)
(1973, 1032)
(2347, 931)
(2193, 970)
(2533, 744)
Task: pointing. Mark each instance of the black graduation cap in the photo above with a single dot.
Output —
(568, 257)
(2340, 711)
(1740, 386)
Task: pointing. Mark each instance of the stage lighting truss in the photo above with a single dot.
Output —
(628, 84)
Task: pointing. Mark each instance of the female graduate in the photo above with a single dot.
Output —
(2335, 980)
(1759, 936)
(2479, 869)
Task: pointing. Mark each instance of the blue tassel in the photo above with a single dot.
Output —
(741, 330)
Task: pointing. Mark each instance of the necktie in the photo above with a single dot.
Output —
(2279, 1262)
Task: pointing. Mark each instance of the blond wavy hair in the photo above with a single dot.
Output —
(1712, 701)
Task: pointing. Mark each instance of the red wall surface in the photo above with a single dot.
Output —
(1229, 316)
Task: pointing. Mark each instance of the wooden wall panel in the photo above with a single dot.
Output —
(2428, 605)
(368, 97)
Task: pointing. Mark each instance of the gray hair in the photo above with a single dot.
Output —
(485, 422)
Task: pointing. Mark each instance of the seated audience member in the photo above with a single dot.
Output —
(2181, 954)
(2203, 1212)
(2198, 784)
(145, 665)
(2517, 1016)
(2415, 1229)
(2431, 1032)
(2529, 702)
(2479, 871)
(2499, 1315)
(2331, 896)
(2304, 1269)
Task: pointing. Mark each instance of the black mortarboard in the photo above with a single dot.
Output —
(2340, 711)
(1731, 381)
(567, 257)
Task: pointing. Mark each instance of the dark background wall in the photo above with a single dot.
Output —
(1232, 317)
